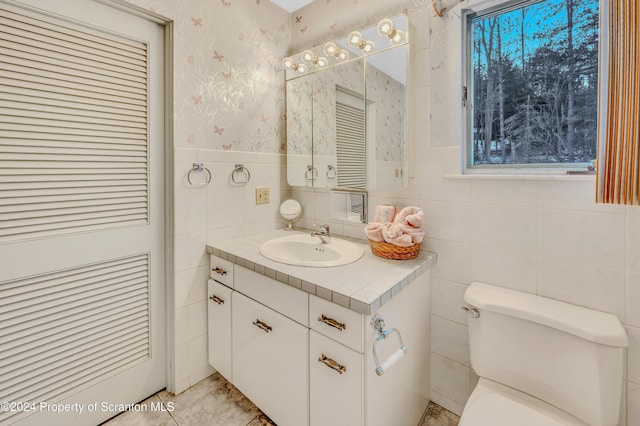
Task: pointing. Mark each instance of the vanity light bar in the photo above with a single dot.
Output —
(385, 28)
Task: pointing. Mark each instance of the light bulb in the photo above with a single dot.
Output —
(288, 63)
(342, 54)
(330, 49)
(322, 61)
(398, 37)
(301, 68)
(385, 26)
(368, 47)
(308, 56)
(354, 38)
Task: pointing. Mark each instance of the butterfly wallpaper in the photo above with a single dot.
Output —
(228, 78)
(229, 90)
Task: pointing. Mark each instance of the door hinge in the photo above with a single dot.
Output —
(465, 94)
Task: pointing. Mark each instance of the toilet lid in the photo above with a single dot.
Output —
(494, 404)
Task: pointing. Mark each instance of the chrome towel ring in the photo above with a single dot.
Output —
(331, 172)
(311, 174)
(243, 173)
(199, 167)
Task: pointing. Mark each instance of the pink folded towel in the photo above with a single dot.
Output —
(385, 213)
(373, 231)
(403, 229)
(411, 216)
(417, 234)
(393, 234)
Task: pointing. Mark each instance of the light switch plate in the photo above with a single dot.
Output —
(262, 195)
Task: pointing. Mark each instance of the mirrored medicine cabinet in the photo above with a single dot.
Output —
(347, 110)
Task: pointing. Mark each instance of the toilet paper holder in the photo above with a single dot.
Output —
(378, 324)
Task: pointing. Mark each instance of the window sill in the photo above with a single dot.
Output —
(483, 176)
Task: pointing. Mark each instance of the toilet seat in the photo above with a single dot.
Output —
(495, 404)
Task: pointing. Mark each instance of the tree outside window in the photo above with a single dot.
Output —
(533, 84)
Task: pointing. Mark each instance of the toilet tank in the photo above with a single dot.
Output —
(566, 355)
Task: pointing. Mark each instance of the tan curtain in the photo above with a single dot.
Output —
(618, 171)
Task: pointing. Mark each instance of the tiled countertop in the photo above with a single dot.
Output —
(362, 286)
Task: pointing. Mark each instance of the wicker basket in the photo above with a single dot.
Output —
(392, 251)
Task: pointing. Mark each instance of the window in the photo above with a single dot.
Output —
(532, 85)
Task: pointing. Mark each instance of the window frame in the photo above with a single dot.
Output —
(488, 9)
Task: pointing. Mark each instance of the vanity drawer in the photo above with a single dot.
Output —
(280, 297)
(337, 322)
(221, 270)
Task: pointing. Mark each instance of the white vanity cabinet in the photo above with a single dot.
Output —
(305, 360)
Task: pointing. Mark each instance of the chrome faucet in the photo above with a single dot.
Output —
(322, 232)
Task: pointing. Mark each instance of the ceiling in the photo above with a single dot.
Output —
(291, 5)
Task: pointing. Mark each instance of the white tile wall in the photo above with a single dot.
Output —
(504, 268)
(589, 237)
(633, 408)
(633, 298)
(503, 227)
(582, 283)
(221, 210)
(633, 358)
(450, 339)
(450, 379)
(446, 300)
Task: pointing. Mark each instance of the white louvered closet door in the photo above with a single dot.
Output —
(81, 211)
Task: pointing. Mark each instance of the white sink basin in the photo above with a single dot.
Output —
(305, 250)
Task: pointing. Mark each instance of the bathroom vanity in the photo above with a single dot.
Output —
(299, 341)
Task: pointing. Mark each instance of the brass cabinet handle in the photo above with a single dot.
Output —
(333, 323)
(219, 270)
(216, 299)
(332, 364)
(263, 326)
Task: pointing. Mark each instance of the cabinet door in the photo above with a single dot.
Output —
(270, 361)
(219, 328)
(336, 383)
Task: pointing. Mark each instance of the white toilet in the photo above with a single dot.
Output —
(541, 362)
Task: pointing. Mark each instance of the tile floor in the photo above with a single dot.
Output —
(216, 402)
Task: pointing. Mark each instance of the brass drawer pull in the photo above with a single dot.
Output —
(333, 323)
(332, 364)
(219, 270)
(216, 299)
(263, 326)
